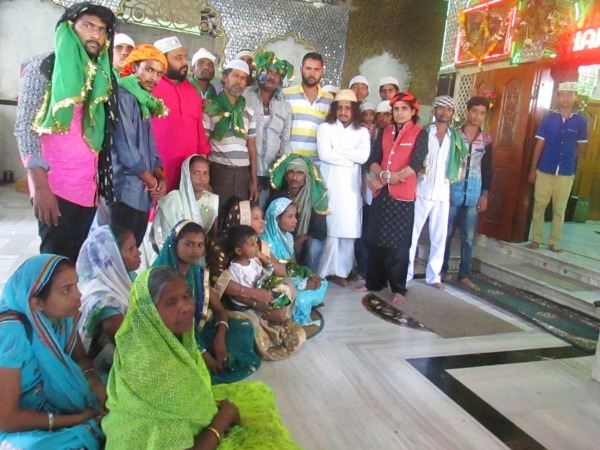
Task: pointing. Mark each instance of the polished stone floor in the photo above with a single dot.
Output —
(363, 383)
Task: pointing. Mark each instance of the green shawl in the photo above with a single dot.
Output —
(312, 195)
(458, 151)
(159, 389)
(232, 117)
(211, 92)
(76, 79)
(149, 104)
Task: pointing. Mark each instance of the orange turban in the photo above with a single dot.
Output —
(142, 53)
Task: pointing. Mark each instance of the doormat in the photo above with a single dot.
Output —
(389, 313)
(574, 327)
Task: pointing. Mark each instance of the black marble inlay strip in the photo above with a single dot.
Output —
(435, 369)
(8, 102)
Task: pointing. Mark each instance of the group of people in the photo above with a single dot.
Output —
(126, 150)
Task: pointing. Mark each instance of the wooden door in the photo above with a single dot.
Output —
(511, 128)
(587, 180)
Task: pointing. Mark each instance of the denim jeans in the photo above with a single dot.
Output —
(466, 216)
(311, 254)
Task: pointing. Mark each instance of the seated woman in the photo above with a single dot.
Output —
(159, 391)
(106, 265)
(298, 179)
(226, 343)
(193, 201)
(273, 341)
(281, 222)
(50, 395)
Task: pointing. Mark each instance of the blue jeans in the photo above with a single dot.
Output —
(311, 254)
(467, 217)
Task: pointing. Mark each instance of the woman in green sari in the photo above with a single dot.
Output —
(159, 389)
(226, 340)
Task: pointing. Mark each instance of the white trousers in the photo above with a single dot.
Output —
(437, 212)
(337, 258)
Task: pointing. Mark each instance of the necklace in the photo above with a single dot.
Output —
(266, 109)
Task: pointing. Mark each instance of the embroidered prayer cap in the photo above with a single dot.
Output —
(167, 44)
(410, 99)
(444, 100)
(366, 106)
(143, 52)
(568, 86)
(359, 79)
(383, 107)
(268, 60)
(389, 80)
(123, 39)
(245, 52)
(347, 95)
(203, 54)
(332, 89)
(239, 65)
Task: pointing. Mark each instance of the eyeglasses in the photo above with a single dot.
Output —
(91, 27)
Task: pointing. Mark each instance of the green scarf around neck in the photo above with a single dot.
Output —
(458, 151)
(149, 104)
(76, 79)
(232, 117)
(210, 93)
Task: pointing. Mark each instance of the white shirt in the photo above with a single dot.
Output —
(245, 275)
(434, 185)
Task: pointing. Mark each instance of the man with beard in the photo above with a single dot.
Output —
(138, 173)
(343, 146)
(181, 133)
(273, 116)
(203, 72)
(122, 47)
(62, 136)
(231, 129)
(310, 105)
(442, 167)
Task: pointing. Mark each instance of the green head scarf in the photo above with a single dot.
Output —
(268, 60)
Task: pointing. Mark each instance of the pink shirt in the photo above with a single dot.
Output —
(181, 133)
(73, 165)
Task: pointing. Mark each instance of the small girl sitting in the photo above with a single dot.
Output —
(247, 270)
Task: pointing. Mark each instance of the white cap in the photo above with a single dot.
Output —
(203, 54)
(239, 65)
(123, 39)
(383, 107)
(244, 53)
(332, 89)
(366, 106)
(568, 86)
(389, 80)
(359, 79)
(167, 44)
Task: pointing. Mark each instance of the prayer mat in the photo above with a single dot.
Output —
(574, 327)
(317, 326)
(445, 314)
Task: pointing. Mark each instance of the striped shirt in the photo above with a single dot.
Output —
(306, 118)
(231, 150)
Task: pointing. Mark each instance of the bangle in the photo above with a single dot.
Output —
(254, 304)
(215, 432)
(388, 176)
(224, 323)
(203, 351)
(86, 371)
(50, 421)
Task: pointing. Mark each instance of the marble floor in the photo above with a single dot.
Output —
(364, 383)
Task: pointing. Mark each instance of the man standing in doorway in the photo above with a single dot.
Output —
(60, 134)
(561, 136)
(310, 105)
(469, 195)
(442, 167)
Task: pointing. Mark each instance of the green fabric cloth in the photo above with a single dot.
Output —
(312, 195)
(210, 93)
(232, 117)
(458, 151)
(159, 393)
(268, 60)
(149, 104)
(76, 79)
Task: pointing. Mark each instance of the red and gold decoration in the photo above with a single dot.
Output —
(485, 31)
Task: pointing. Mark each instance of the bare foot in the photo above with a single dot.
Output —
(554, 248)
(361, 288)
(343, 282)
(355, 277)
(468, 283)
(398, 298)
(533, 245)
(439, 286)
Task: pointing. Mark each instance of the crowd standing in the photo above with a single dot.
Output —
(169, 163)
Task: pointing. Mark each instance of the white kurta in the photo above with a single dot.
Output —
(342, 151)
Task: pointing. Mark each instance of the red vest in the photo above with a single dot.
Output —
(396, 156)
